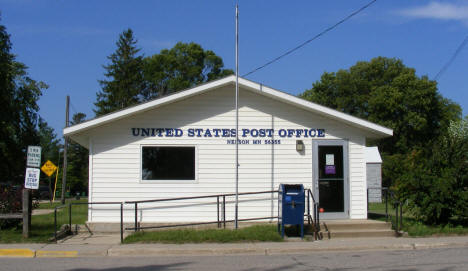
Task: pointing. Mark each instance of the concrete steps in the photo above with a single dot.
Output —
(356, 229)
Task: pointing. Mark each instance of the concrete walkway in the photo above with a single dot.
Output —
(99, 245)
(42, 211)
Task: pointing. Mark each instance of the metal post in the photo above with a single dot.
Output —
(217, 211)
(224, 211)
(121, 222)
(65, 147)
(396, 216)
(237, 118)
(386, 205)
(69, 217)
(55, 224)
(136, 216)
(26, 212)
(308, 207)
(368, 201)
(401, 215)
(317, 216)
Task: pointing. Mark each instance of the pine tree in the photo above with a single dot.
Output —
(19, 118)
(125, 77)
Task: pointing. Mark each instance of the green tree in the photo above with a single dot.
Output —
(77, 171)
(181, 67)
(435, 180)
(51, 148)
(125, 74)
(19, 118)
(387, 92)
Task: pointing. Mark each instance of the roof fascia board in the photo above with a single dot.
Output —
(250, 85)
(145, 106)
(320, 109)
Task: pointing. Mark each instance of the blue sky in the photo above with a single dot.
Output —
(65, 43)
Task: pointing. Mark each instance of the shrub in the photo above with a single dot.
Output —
(435, 180)
(11, 202)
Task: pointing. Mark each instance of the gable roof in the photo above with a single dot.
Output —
(376, 131)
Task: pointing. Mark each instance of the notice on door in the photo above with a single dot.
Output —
(330, 170)
(330, 159)
(330, 164)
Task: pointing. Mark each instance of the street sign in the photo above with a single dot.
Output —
(31, 178)
(34, 156)
(48, 168)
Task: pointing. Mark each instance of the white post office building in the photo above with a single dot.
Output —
(183, 145)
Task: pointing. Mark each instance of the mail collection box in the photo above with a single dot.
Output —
(291, 206)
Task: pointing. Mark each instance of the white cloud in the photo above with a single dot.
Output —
(153, 44)
(438, 10)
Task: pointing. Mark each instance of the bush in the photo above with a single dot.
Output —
(11, 202)
(435, 180)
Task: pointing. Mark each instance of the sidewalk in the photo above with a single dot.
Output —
(85, 245)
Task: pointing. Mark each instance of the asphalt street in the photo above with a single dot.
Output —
(446, 259)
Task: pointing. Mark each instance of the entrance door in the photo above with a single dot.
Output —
(331, 186)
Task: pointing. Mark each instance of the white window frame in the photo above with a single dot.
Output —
(168, 181)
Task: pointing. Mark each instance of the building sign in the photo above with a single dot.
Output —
(34, 156)
(31, 178)
(260, 136)
(223, 132)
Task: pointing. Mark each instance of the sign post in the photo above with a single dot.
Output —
(31, 181)
(49, 168)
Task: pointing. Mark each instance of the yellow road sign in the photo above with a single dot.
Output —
(48, 168)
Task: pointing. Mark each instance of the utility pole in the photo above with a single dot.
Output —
(237, 119)
(65, 147)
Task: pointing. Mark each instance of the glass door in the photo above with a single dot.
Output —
(331, 178)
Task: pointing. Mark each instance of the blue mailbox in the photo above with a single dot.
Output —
(291, 201)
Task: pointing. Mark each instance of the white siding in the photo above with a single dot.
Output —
(115, 159)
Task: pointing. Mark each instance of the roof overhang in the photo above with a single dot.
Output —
(373, 130)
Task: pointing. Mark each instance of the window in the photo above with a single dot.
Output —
(168, 163)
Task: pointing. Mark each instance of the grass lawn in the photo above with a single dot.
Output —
(418, 229)
(379, 208)
(415, 228)
(178, 236)
(49, 205)
(42, 226)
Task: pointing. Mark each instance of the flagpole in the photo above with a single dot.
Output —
(237, 117)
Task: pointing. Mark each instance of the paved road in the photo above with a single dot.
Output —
(448, 259)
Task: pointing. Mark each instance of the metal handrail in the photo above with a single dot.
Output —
(218, 221)
(315, 219)
(202, 197)
(70, 204)
(202, 223)
(221, 220)
(397, 204)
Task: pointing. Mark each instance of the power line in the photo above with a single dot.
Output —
(73, 108)
(312, 39)
(444, 68)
